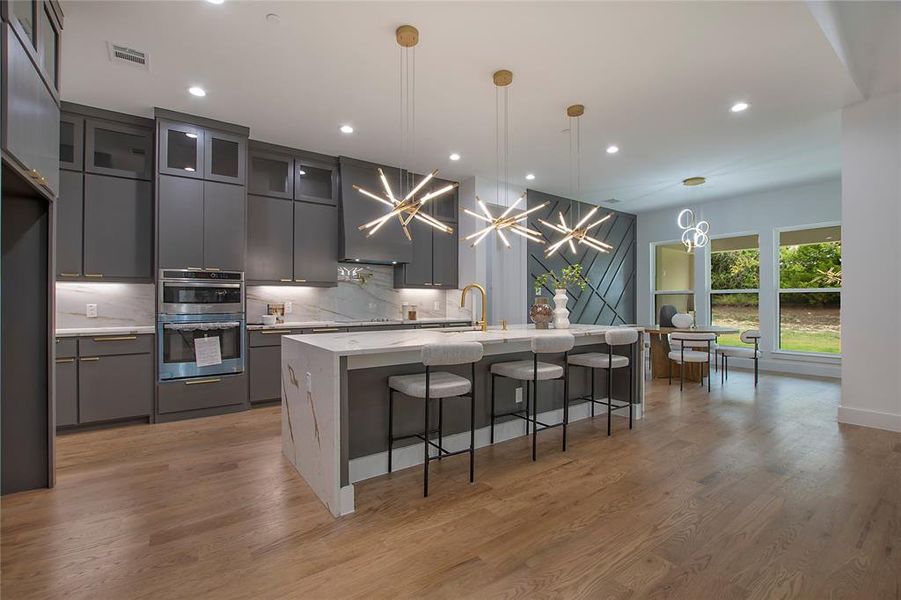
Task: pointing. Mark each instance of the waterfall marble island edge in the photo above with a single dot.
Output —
(334, 398)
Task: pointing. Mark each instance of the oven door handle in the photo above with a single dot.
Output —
(207, 326)
(201, 284)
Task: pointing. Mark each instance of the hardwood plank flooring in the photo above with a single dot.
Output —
(735, 494)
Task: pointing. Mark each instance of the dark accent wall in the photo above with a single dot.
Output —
(610, 296)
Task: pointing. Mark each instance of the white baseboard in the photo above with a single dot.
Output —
(787, 367)
(869, 418)
(376, 464)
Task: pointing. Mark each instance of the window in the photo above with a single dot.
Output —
(810, 281)
(734, 285)
(674, 278)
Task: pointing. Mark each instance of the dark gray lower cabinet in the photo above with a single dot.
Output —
(265, 367)
(315, 243)
(205, 392)
(223, 226)
(270, 239)
(66, 391)
(118, 226)
(69, 218)
(114, 387)
(180, 222)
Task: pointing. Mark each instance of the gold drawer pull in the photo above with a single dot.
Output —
(195, 269)
(326, 329)
(69, 274)
(300, 281)
(285, 280)
(90, 359)
(116, 338)
(274, 331)
(97, 275)
(212, 268)
(428, 283)
(202, 381)
(65, 360)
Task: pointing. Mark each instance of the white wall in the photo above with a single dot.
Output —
(871, 263)
(762, 214)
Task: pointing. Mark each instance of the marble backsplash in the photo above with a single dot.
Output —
(118, 304)
(377, 299)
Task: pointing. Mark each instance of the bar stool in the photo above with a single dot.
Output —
(533, 371)
(440, 385)
(683, 355)
(751, 335)
(609, 362)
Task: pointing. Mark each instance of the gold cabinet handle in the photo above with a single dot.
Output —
(300, 281)
(194, 269)
(285, 279)
(116, 338)
(274, 331)
(65, 360)
(326, 329)
(436, 283)
(202, 381)
(69, 274)
(95, 275)
(90, 359)
(428, 283)
(212, 268)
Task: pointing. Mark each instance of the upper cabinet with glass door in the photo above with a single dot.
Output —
(271, 174)
(181, 149)
(316, 181)
(225, 157)
(71, 142)
(118, 149)
(37, 25)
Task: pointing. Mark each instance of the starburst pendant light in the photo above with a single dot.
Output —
(406, 207)
(578, 233)
(512, 223)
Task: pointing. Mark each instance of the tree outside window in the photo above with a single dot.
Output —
(734, 285)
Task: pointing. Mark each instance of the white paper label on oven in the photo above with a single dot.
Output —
(207, 351)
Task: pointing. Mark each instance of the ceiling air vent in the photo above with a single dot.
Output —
(128, 56)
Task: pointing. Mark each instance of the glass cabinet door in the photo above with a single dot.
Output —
(71, 142)
(22, 15)
(315, 183)
(181, 149)
(49, 44)
(271, 174)
(224, 157)
(118, 149)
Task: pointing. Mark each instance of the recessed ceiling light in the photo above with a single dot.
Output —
(693, 181)
(347, 129)
(196, 90)
(740, 107)
(530, 176)
(612, 149)
(454, 156)
(215, 1)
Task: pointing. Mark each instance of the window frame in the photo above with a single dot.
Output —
(778, 290)
(709, 275)
(653, 282)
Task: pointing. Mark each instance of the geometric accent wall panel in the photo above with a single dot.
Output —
(610, 297)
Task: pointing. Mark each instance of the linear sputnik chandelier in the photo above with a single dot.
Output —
(502, 79)
(579, 233)
(409, 207)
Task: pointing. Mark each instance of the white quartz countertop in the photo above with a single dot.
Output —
(377, 342)
(349, 324)
(132, 330)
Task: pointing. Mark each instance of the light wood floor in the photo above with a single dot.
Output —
(735, 494)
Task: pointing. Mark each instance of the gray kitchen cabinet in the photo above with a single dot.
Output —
(181, 227)
(49, 31)
(69, 229)
(271, 174)
(180, 149)
(316, 182)
(225, 157)
(31, 116)
(114, 387)
(264, 372)
(443, 207)
(206, 392)
(270, 239)
(418, 272)
(444, 259)
(118, 226)
(118, 149)
(315, 244)
(66, 391)
(223, 226)
(71, 142)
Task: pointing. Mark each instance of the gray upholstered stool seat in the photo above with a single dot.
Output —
(692, 356)
(525, 370)
(597, 360)
(441, 385)
(738, 352)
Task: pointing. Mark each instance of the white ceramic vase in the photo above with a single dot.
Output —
(561, 314)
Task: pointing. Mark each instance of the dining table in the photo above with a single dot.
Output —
(660, 349)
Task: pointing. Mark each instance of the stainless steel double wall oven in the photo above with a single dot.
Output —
(199, 304)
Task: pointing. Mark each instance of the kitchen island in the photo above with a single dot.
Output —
(335, 398)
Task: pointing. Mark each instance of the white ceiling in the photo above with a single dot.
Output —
(657, 79)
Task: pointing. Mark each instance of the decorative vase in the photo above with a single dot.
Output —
(561, 314)
(541, 313)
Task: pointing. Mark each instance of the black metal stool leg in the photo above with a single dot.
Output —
(670, 371)
(535, 411)
(528, 402)
(425, 465)
(609, 397)
(566, 398)
(593, 397)
(472, 427)
(631, 388)
(493, 376)
(440, 427)
(390, 426)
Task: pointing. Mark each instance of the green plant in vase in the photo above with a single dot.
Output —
(569, 276)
